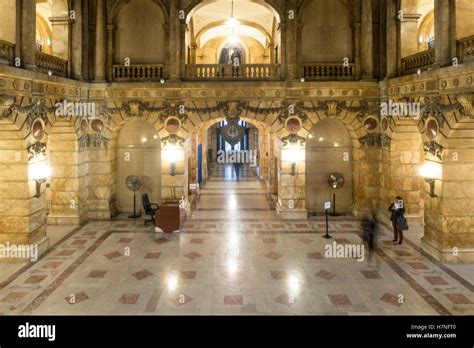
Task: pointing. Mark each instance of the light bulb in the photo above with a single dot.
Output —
(232, 22)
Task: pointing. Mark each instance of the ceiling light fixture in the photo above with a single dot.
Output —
(232, 23)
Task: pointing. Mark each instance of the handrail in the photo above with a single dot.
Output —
(137, 72)
(232, 72)
(421, 60)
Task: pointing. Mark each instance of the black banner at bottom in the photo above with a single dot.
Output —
(240, 330)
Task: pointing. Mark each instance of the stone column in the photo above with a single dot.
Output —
(27, 30)
(409, 32)
(358, 64)
(367, 57)
(182, 55)
(449, 230)
(174, 43)
(110, 51)
(60, 37)
(69, 188)
(167, 66)
(194, 47)
(22, 216)
(85, 54)
(392, 39)
(300, 69)
(76, 42)
(442, 33)
(101, 180)
(284, 68)
(291, 43)
(100, 42)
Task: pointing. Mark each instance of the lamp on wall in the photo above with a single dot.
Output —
(39, 172)
(173, 154)
(431, 171)
(293, 154)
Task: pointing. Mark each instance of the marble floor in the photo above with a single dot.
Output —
(232, 256)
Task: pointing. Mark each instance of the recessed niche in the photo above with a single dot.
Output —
(37, 129)
(84, 125)
(370, 124)
(293, 125)
(432, 129)
(172, 125)
(384, 124)
(97, 125)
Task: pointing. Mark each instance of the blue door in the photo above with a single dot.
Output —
(199, 168)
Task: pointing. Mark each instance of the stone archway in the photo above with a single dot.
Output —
(138, 152)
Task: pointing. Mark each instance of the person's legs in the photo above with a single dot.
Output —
(395, 231)
(400, 234)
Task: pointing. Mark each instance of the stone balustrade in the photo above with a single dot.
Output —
(231, 72)
(137, 72)
(466, 48)
(420, 60)
(47, 63)
(7, 52)
(328, 71)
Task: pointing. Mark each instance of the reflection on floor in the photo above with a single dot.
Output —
(234, 256)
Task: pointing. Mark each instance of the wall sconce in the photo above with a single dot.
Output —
(173, 155)
(293, 155)
(431, 171)
(39, 172)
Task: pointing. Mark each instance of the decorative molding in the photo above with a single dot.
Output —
(377, 140)
(6, 102)
(434, 149)
(37, 109)
(293, 139)
(36, 149)
(172, 139)
(466, 99)
(93, 141)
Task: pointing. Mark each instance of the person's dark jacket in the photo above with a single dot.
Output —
(396, 213)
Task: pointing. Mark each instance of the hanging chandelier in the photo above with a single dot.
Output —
(232, 23)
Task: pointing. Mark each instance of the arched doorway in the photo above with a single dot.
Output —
(328, 150)
(138, 153)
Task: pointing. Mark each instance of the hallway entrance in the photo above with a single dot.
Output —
(230, 196)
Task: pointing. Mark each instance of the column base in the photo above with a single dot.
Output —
(292, 214)
(61, 220)
(446, 255)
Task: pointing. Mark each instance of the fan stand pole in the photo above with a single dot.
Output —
(334, 203)
(135, 215)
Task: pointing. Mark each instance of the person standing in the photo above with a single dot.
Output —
(397, 209)
(370, 227)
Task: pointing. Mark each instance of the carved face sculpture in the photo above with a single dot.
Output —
(37, 130)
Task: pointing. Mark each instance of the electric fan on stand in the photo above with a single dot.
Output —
(335, 181)
(133, 184)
